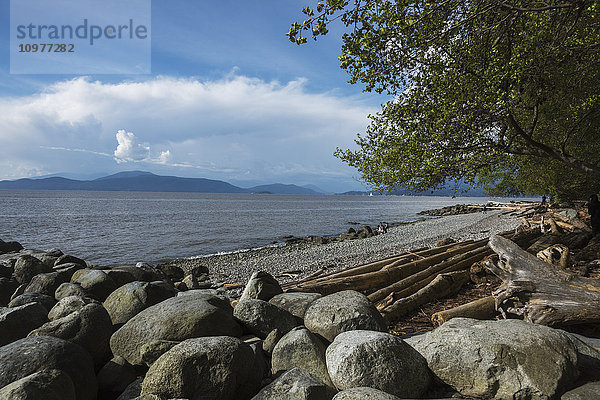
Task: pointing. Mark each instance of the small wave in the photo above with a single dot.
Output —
(224, 253)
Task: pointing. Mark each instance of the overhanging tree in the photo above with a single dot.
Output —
(497, 93)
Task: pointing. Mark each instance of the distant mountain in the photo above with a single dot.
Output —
(279, 188)
(140, 181)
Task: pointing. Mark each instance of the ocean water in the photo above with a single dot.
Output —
(112, 228)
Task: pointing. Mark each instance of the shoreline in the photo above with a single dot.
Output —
(293, 262)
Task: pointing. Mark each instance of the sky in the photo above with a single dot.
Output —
(225, 96)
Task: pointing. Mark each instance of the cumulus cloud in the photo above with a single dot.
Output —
(236, 127)
(129, 149)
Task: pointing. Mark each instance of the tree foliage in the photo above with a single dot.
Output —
(504, 94)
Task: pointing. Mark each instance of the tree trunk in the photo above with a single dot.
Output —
(442, 286)
(548, 295)
(462, 261)
(378, 279)
(484, 308)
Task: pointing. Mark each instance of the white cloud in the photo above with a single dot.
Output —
(129, 149)
(224, 129)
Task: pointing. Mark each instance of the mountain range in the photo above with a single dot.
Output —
(140, 181)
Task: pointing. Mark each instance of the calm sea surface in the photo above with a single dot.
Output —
(124, 227)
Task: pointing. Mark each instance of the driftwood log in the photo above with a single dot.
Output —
(545, 294)
(443, 285)
(391, 272)
(484, 308)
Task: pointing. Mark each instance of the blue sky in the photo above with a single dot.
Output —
(229, 97)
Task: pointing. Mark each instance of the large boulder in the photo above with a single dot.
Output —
(510, 359)
(362, 393)
(68, 305)
(341, 312)
(177, 319)
(89, 327)
(128, 300)
(27, 266)
(10, 247)
(296, 384)
(96, 283)
(295, 302)
(47, 283)
(262, 286)
(588, 391)
(378, 360)
(69, 289)
(300, 348)
(34, 354)
(26, 298)
(260, 317)
(17, 322)
(208, 367)
(115, 376)
(69, 259)
(142, 272)
(51, 384)
(151, 351)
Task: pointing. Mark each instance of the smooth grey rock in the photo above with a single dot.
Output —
(68, 269)
(208, 367)
(96, 283)
(132, 391)
(10, 247)
(46, 283)
(120, 276)
(52, 384)
(378, 360)
(151, 351)
(116, 375)
(69, 289)
(26, 267)
(128, 300)
(89, 327)
(362, 393)
(17, 322)
(589, 391)
(295, 302)
(500, 359)
(261, 286)
(177, 319)
(68, 305)
(341, 312)
(300, 348)
(46, 301)
(69, 259)
(260, 317)
(33, 354)
(142, 272)
(296, 384)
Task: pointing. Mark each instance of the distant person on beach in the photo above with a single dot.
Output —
(382, 227)
(544, 198)
(594, 211)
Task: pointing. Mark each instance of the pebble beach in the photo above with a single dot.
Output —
(292, 262)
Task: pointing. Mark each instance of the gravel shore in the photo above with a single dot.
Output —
(303, 259)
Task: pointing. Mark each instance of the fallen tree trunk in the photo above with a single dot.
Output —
(547, 295)
(443, 285)
(461, 261)
(381, 278)
(408, 290)
(484, 308)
